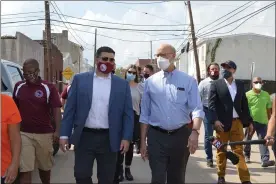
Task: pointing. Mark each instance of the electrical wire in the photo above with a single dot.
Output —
(102, 27)
(144, 3)
(22, 13)
(69, 24)
(257, 12)
(238, 25)
(102, 34)
(228, 17)
(223, 16)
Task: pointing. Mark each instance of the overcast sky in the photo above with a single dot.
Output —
(146, 13)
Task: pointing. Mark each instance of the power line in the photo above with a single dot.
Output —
(146, 13)
(69, 24)
(229, 17)
(223, 16)
(144, 3)
(255, 13)
(21, 13)
(104, 35)
(102, 27)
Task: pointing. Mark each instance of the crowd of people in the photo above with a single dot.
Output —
(108, 119)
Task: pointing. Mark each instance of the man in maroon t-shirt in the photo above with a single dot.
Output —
(37, 101)
(64, 95)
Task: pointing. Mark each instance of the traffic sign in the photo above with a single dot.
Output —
(67, 73)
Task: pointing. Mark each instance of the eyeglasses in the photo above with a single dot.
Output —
(130, 72)
(107, 58)
(162, 55)
(257, 82)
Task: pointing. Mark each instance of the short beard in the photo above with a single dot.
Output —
(214, 77)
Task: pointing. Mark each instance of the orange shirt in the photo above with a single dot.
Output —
(9, 115)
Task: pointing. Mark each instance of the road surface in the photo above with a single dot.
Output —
(197, 172)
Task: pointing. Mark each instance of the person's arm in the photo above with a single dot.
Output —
(200, 89)
(269, 106)
(14, 132)
(195, 105)
(145, 112)
(272, 121)
(69, 111)
(128, 119)
(55, 105)
(212, 100)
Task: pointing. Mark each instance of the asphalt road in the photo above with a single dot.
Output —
(197, 172)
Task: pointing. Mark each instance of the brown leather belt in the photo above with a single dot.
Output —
(96, 130)
(168, 132)
(235, 119)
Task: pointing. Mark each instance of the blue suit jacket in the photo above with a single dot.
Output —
(120, 115)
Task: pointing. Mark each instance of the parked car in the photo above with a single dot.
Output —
(11, 73)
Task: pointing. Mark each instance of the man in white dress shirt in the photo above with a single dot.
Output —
(99, 107)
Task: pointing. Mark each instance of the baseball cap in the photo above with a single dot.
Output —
(230, 63)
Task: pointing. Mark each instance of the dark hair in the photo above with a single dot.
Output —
(104, 49)
(150, 67)
(136, 69)
(208, 67)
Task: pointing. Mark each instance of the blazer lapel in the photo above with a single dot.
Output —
(238, 91)
(90, 87)
(225, 89)
(111, 97)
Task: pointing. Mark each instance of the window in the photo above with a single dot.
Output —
(15, 74)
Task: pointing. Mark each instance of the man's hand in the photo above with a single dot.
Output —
(143, 150)
(269, 140)
(11, 173)
(56, 136)
(124, 146)
(193, 142)
(219, 126)
(63, 144)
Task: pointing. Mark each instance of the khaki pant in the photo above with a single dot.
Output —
(36, 149)
(235, 134)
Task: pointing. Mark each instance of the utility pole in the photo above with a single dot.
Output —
(48, 40)
(194, 42)
(95, 48)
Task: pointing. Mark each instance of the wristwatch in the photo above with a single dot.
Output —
(195, 130)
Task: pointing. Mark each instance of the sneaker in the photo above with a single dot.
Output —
(221, 180)
(247, 160)
(268, 163)
(210, 163)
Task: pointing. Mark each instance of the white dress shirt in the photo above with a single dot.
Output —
(233, 91)
(98, 113)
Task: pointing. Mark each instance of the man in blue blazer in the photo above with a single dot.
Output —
(99, 108)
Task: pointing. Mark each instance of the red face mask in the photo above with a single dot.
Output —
(105, 67)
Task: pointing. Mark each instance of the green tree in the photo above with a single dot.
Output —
(119, 72)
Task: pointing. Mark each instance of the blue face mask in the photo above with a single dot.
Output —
(130, 77)
(226, 74)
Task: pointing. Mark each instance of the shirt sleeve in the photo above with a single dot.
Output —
(200, 89)
(13, 112)
(145, 105)
(64, 93)
(54, 98)
(194, 101)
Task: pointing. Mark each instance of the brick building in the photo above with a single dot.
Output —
(57, 59)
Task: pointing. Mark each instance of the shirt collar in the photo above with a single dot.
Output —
(233, 82)
(38, 82)
(166, 74)
(108, 77)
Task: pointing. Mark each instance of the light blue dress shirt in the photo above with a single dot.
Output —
(168, 100)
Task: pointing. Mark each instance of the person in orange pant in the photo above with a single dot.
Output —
(10, 139)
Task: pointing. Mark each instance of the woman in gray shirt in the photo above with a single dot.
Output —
(136, 89)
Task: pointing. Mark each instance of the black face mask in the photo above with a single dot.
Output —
(226, 74)
(146, 75)
(214, 77)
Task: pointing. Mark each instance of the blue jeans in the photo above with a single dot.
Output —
(261, 133)
(208, 127)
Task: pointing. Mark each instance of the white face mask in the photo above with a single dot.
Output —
(258, 86)
(163, 63)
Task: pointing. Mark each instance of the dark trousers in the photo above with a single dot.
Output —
(208, 127)
(261, 133)
(128, 157)
(168, 155)
(94, 146)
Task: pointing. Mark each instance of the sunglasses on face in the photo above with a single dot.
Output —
(257, 82)
(107, 58)
(130, 72)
